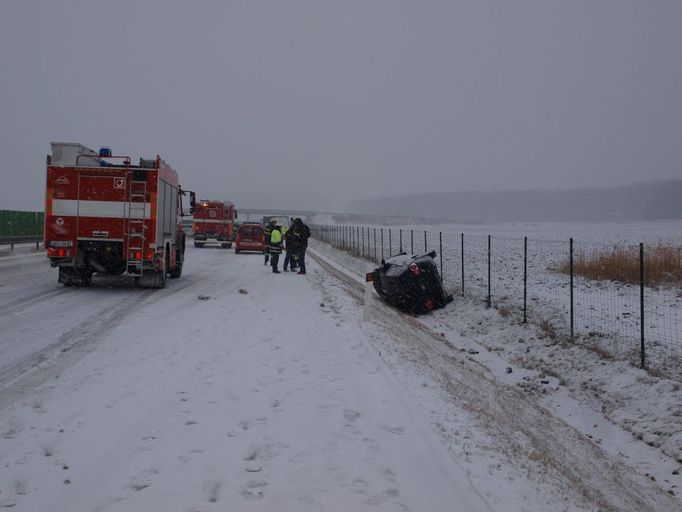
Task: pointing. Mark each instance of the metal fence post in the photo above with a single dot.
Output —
(401, 240)
(462, 264)
(525, 279)
(641, 303)
(570, 263)
(382, 244)
(425, 249)
(369, 245)
(363, 241)
(390, 243)
(375, 244)
(411, 241)
(488, 301)
(357, 240)
(440, 245)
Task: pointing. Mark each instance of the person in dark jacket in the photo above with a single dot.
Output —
(300, 233)
(290, 248)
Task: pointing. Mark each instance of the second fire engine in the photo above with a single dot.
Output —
(214, 223)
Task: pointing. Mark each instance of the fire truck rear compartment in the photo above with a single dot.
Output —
(102, 256)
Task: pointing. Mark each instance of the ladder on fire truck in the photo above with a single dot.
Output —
(137, 227)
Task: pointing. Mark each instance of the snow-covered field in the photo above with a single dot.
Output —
(237, 389)
(606, 314)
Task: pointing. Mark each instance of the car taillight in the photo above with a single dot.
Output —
(149, 255)
(414, 268)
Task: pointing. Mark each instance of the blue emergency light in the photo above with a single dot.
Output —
(105, 152)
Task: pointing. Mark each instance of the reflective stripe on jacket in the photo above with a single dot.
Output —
(275, 241)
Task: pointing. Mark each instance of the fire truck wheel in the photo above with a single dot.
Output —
(85, 278)
(166, 265)
(75, 277)
(155, 279)
(179, 260)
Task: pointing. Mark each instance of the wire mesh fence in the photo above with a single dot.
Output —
(622, 300)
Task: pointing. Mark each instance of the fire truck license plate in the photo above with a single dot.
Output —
(61, 243)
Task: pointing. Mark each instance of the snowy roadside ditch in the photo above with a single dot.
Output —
(632, 415)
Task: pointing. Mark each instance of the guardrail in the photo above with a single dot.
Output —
(12, 240)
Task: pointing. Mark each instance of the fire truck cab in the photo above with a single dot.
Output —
(105, 215)
(213, 223)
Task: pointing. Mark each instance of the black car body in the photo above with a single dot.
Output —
(411, 283)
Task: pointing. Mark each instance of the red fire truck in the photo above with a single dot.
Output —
(214, 223)
(107, 216)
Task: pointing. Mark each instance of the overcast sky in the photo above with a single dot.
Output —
(310, 104)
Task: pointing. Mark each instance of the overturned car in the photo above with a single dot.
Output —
(410, 282)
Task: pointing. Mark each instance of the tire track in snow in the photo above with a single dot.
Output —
(521, 428)
(24, 375)
(47, 363)
(33, 298)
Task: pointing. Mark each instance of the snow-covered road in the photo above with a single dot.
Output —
(236, 389)
(249, 400)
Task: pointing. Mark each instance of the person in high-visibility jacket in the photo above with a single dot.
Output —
(275, 247)
(267, 228)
